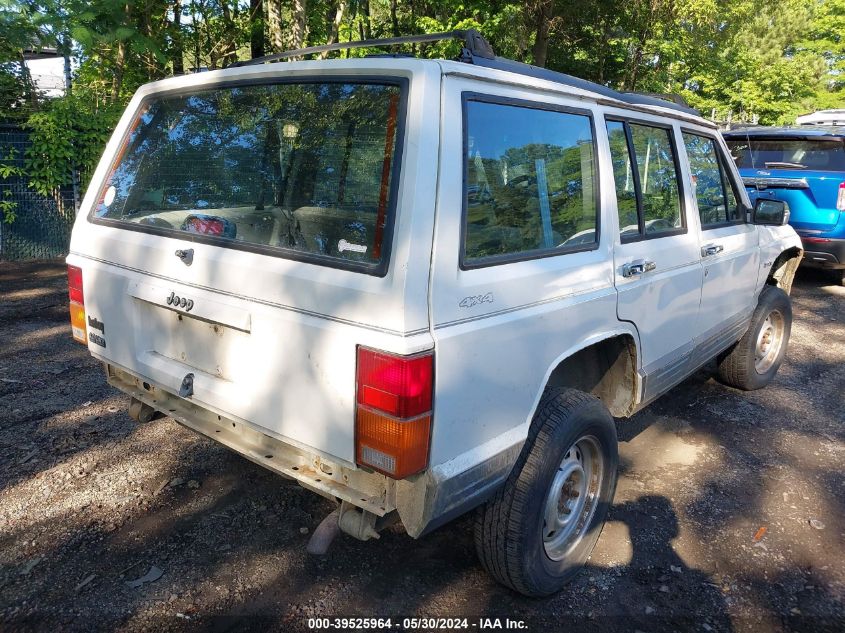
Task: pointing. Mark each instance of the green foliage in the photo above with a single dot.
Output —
(66, 136)
(9, 169)
(758, 59)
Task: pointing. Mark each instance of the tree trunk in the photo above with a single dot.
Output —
(120, 61)
(229, 49)
(544, 12)
(299, 32)
(178, 53)
(334, 26)
(149, 57)
(256, 28)
(274, 25)
(394, 20)
(604, 50)
(366, 23)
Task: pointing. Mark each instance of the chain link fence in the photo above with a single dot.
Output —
(43, 223)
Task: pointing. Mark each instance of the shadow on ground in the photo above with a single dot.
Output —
(715, 526)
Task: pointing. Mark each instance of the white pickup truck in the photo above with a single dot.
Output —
(423, 287)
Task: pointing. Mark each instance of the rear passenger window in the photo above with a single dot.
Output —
(530, 182)
(648, 197)
(716, 198)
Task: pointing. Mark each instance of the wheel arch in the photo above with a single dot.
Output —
(605, 365)
(782, 272)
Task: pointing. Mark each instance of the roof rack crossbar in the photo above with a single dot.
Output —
(474, 44)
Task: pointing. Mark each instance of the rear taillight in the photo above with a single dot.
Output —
(840, 199)
(393, 414)
(77, 304)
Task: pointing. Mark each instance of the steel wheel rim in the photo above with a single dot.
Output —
(769, 342)
(572, 498)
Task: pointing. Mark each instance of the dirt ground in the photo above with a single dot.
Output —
(729, 515)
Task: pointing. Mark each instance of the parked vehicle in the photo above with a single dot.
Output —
(804, 167)
(822, 117)
(421, 287)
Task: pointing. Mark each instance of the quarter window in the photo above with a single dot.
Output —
(716, 198)
(648, 197)
(530, 181)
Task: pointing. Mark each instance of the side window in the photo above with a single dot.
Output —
(658, 178)
(623, 174)
(648, 198)
(530, 181)
(716, 198)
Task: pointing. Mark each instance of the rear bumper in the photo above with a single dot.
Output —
(422, 502)
(826, 254)
(369, 491)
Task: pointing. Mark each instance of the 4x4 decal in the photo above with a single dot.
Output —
(469, 302)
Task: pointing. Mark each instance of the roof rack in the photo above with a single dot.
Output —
(673, 97)
(632, 98)
(474, 46)
(477, 51)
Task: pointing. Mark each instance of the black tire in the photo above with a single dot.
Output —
(737, 366)
(509, 527)
(838, 276)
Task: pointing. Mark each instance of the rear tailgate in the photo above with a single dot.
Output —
(268, 327)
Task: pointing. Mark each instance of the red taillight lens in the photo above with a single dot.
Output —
(840, 199)
(77, 304)
(393, 417)
(399, 386)
(74, 284)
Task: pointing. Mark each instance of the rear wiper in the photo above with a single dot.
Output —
(784, 165)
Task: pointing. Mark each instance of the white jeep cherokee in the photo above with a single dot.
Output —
(420, 287)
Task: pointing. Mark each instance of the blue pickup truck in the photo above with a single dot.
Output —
(804, 167)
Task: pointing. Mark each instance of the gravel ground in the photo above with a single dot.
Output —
(729, 515)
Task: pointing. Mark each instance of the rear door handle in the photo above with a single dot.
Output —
(711, 249)
(638, 267)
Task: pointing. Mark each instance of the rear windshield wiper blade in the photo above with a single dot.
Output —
(785, 165)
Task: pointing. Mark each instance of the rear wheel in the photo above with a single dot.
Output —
(754, 360)
(838, 275)
(540, 528)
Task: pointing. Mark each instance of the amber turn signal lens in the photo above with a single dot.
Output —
(77, 322)
(397, 448)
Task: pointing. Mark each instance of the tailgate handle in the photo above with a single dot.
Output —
(187, 388)
(186, 255)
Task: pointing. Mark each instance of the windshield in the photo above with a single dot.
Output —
(304, 168)
(788, 153)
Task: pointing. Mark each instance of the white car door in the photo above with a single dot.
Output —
(728, 247)
(656, 256)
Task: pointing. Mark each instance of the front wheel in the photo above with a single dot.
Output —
(542, 525)
(754, 360)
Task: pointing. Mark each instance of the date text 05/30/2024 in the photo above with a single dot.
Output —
(417, 624)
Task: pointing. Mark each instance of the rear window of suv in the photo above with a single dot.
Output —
(788, 153)
(304, 170)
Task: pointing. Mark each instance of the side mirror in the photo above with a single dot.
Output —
(770, 212)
